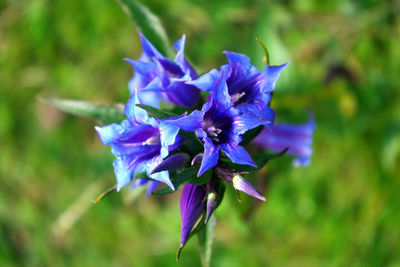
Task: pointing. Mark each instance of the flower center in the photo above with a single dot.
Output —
(237, 97)
(154, 140)
(212, 132)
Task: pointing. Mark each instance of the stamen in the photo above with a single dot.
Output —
(155, 140)
(236, 97)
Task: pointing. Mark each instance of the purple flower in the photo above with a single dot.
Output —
(250, 91)
(192, 206)
(139, 144)
(219, 125)
(298, 137)
(157, 77)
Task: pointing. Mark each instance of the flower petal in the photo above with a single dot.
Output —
(168, 133)
(133, 112)
(181, 59)
(148, 48)
(269, 76)
(210, 156)
(182, 94)
(241, 184)
(190, 123)
(237, 154)
(172, 162)
(206, 82)
(192, 207)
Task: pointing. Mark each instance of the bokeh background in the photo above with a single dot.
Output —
(343, 210)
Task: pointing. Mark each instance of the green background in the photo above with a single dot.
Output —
(343, 210)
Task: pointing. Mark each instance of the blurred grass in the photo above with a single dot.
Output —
(342, 210)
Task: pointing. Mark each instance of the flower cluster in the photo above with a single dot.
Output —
(200, 144)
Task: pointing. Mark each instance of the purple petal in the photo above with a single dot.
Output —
(192, 207)
(241, 184)
(133, 112)
(241, 71)
(269, 76)
(220, 97)
(181, 59)
(298, 137)
(148, 48)
(190, 123)
(168, 133)
(162, 177)
(206, 82)
(172, 162)
(182, 94)
(237, 154)
(210, 156)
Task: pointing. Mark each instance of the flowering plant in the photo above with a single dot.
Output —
(198, 143)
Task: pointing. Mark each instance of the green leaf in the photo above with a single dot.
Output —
(156, 112)
(250, 135)
(149, 24)
(187, 176)
(106, 114)
(205, 239)
(259, 159)
(192, 144)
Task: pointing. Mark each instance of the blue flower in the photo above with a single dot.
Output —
(298, 137)
(139, 144)
(219, 125)
(157, 77)
(250, 91)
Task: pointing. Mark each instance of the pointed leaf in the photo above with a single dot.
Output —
(148, 23)
(157, 113)
(251, 134)
(106, 114)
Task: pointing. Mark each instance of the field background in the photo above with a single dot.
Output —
(343, 210)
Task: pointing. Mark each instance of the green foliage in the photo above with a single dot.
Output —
(156, 112)
(340, 211)
(105, 114)
(148, 24)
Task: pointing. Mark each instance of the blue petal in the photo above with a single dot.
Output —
(168, 133)
(148, 48)
(269, 76)
(181, 59)
(108, 133)
(241, 71)
(173, 162)
(189, 123)
(220, 97)
(206, 82)
(123, 173)
(210, 156)
(237, 154)
(133, 112)
(255, 116)
(162, 177)
(183, 94)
